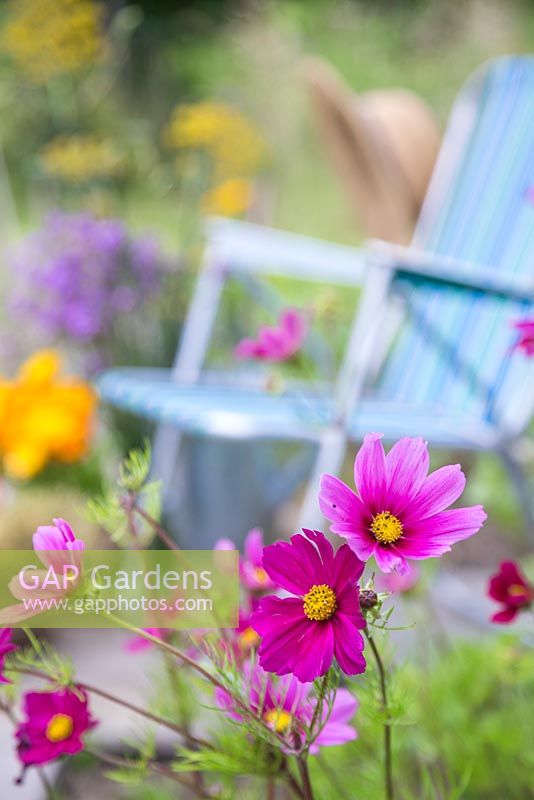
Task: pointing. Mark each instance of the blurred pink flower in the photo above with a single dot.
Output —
(525, 340)
(397, 583)
(510, 588)
(279, 342)
(400, 512)
(251, 571)
(138, 643)
(287, 706)
(59, 550)
(53, 727)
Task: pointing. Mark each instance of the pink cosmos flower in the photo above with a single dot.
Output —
(6, 646)
(251, 571)
(287, 706)
(58, 536)
(279, 342)
(510, 588)
(53, 727)
(400, 511)
(302, 634)
(397, 583)
(57, 547)
(525, 341)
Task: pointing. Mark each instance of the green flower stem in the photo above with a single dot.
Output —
(388, 765)
(307, 791)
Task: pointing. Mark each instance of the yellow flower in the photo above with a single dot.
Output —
(233, 143)
(46, 38)
(230, 198)
(43, 416)
(81, 158)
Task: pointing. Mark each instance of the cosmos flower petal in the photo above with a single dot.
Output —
(294, 565)
(348, 646)
(340, 504)
(440, 489)
(407, 466)
(315, 653)
(389, 559)
(435, 535)
(361, 543)
(370, 472)
(505, 616)
(254, 546)
(347, 566)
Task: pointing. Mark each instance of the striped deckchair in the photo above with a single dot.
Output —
(450, 373)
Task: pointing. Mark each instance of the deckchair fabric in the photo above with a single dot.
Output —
(480, 209)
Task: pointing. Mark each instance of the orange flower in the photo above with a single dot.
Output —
(43, 416)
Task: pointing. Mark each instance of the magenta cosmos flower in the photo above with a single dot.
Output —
(510, 588)
(302, 634)
(399, 511)
(287, 706)
(525, 340)
(6, 646)
(279, 342)
(54, 725)
(251, 571)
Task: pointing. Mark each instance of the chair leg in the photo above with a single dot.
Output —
(523, 486)
(329, 459)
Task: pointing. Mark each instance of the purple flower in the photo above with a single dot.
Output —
(287, 706)
(302, 634)
(279, 342)
(77, 274)
(6, 646)
(400, 511)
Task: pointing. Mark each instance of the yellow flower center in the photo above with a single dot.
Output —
(320, 602)
(386, 528)
(278, 719)
(516, 590)
(260, 575)
(59, 728)
(248, 638)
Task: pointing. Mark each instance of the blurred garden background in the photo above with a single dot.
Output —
(123, 127)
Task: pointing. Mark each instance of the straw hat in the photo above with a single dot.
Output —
(382, 144)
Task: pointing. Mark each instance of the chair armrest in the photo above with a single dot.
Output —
(422, 267)
(246, 247)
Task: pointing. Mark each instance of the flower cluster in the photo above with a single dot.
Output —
(43, 416)
(82, 158)
(288, 708)
(77, 274)
(231, 146)
(47, 38)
